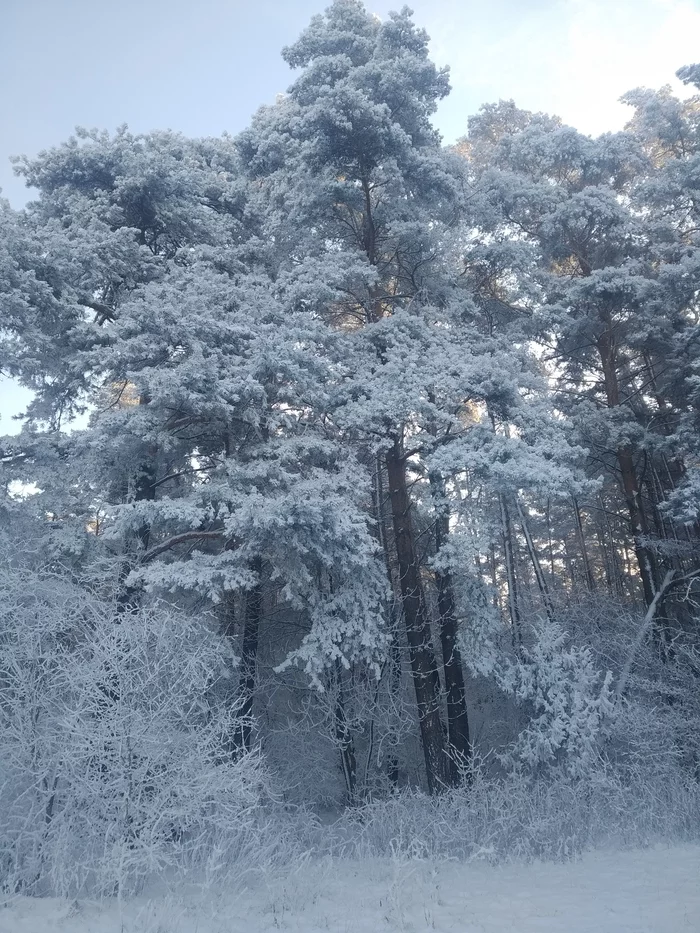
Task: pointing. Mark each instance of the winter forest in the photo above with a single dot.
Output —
(357, 509)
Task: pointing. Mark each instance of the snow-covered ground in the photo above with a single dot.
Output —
(652, 891)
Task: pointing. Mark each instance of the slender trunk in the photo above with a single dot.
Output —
(534, 558)
(550, 543)
(607, 568)
(457, 714)
(614, 553)
(241, 739)
(423, 663)
(569, 566)
(394, 659)
(638, 524)
(144, 491)
(394, 687)
(582, 544)
(249, 656)
(513, 605)
(494, 576)
(344, 738)
(649, 618)
(630, 483)
(369, 756)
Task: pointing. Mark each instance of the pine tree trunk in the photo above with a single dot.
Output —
(550, 544)
(570, 567)
(512, 585)
(423, 663)
(535, 560)
(394, 660)
(144, 490)
(457, 715)
(612, 547)
(346, 745)
(638, 521)
(241, 740)
(249, 656)
(582, 543)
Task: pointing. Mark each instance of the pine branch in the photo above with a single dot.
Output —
(180, 539)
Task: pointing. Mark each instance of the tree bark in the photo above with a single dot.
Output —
(639, 527)
(535, 561)
(512, 585)
(249, 656)
(241, 739)
(144, 490)
(612, 548)
(423, 663)
(394, 660)
(346, 745)
(582, 543)
(459, 751)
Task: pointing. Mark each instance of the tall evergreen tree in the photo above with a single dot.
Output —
(367, 213)
(559, 207)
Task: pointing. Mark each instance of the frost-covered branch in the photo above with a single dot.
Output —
(181, 539)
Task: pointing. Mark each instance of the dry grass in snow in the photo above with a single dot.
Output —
(656, 890)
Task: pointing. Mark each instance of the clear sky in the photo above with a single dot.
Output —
(204, 66)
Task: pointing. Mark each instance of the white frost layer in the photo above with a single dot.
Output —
(651, 891)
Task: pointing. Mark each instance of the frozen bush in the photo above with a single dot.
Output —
(114, 730)
(513, 817)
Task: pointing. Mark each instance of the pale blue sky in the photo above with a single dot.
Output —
(204, 67)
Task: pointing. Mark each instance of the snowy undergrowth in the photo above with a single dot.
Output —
(650, 891)
(113, 762)
(514, 818)
(495, 821)
(115, 768)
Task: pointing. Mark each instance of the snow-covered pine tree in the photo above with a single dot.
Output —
(668, 129)
(558, 212)
(206, 450)
(367, 213)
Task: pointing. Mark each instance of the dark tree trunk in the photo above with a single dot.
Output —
(535, 560)
(582, 544)
(457, 715)
(512, 583)
(610, 581)
(638, 524)
(144, 490)
(249, 656)
(241, 740)
(550, 543)
(394, 660)
(613, 550)
(570, 566)
(344, 738)
(639, 527)
(423, 663)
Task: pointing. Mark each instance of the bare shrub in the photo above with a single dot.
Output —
(111, 738)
